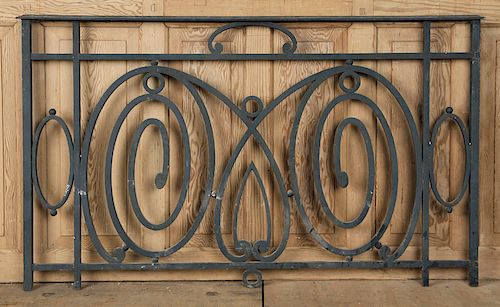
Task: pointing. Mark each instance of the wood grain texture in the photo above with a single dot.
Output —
(489, 134)
(346, 293)
(139, 293)
(440, 95)
(459, 98)
(398, 40)
(52, 87)
(274, 293)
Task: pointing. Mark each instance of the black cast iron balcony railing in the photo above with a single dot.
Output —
(253, 257)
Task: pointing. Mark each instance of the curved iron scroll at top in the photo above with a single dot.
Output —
(288, 47)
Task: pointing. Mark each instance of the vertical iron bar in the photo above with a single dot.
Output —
(27, 139)
(76, 158)
(425, 152)
(474, 143)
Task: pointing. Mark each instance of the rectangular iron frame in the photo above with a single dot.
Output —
(426, 56)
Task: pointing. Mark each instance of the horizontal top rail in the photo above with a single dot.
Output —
(251, 57)
(252, 18)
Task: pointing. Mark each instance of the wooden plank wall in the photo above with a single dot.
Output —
(237, 80)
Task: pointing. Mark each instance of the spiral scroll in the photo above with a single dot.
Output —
(354, 72)
(153, 94)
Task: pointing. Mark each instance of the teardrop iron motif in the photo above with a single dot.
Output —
(258, 247)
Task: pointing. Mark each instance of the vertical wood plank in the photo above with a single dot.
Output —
(390, 39)
(459, 101)
(487, 146)
(440, 91)
(153, 202)
(258, 75)
(361, 39)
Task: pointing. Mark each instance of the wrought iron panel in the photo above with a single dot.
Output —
(253, 257)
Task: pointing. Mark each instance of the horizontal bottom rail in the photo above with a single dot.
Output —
(253, 265)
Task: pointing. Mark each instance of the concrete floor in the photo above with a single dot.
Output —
(274, 293)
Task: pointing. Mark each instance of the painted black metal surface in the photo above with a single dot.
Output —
(253, 257)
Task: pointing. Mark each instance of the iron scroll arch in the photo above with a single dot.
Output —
(253, 257)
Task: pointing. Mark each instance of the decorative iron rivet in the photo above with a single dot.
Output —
(52, 112)
(348, 62)
(348, 258)
(449, 110)
(154, 63)
(289, 193)
(213, 194)
(53, 212)
(154, 260)
(449, 209)
(378, 245)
